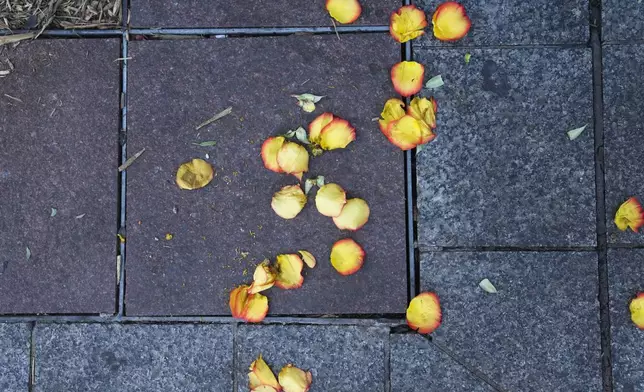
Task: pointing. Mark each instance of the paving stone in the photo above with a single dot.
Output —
(418, 366)
(59, 137)
(137, 358)
(251, 13)
(502, 171)
(221, 232)
(14, 357)
(511, 22)
(623, 71)
(540, 332)
(340, 358)
(626, 268)
(622, 20)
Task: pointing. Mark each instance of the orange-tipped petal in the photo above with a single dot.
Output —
(629, 214)
(316, 126)
(637, 310)
(407, 23)
(423, 109)
(256, 308)
(261, 375)
(264, 388)
(407, 77)
(288, 201)
(450, 21)
(354, 215)
(424, 313)
(426, 133)
(337, 134)
(263, 278)
(289, 271)
(347, 256)
(308, 258)
(270, 149)
(330, 200)
(293, 159)
(405, 133)
(238, 297)
(194, 174)
(344, 11)
(393, 111)
(293, 379)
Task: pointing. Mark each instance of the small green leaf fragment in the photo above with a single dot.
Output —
(28, 253)
(468, 56)
(487, 286)
(435, 82)
(320, 181)
(301, 135)
(209, 143)
(308, 185)
(53, 212)
(308, 97)
(419, 148)
(575, 133)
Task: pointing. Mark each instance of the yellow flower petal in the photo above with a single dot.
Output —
(450, 21)
(423, 109)
(270, 149)
(264, 388)
(629, 214)
(289, 271)
(393, 111)
(344, 11)
(293, 159)
(337, 134)
(308, 258)
(407, 77)
(405, 133)
(354, 215)
(263, 278)
(317, 125)
(424, 313)
(194, 174)
(261, 375)
(407, 23)
(238, 297)
(288, 201)
(293, 379)
(330, 199)
(637, 310)
(347, 256)
(251, 308)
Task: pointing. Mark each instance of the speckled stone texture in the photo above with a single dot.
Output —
(59, 150)
(14, 357)
(222, 231)
(622, 20)
(540, 332)
(626, 269)
(512, 22)
(502, 171)
(417, 365)
(251, 13)
(623, 130)
(137, 358)
(340, 358)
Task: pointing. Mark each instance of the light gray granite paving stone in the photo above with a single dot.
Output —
(14, 357)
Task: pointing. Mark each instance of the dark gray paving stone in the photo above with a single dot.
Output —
(340, 358)
(503, 22)
(622, 20)
(222, 231)
(502, 171)
(14, 357)
(137, 358)
(252, 13)
(626, 268)
(59, 150)
(623, 118)
(540, 332)
(416, 365)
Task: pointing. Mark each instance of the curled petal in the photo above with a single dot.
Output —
(407, 23)
(270, 149)
(238, 297)
(405, 133)
(423, 109)
(629, 214)
(337, 134)
(308, 258)
(330, 199)
(393, 111)
(249, 307)
(261, 375)
(424, 313)
(354, 215)
(637, 310)
(264, 388)
(194, 174)
(288, 201)
(344, 11)
(263, 278)
(316, 126)
(407, 77)
(289, 271)
(426, 133)
(293, 159)
(293, 379)
(347, 256)
(450, 21)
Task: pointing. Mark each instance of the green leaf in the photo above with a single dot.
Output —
(575, 133)
(209, 143)
(308, 185)
(28, 253)
(467, 58)
(419, 148)
(487, 286)
(435, 82)
(301, 135)
(308, 97)
(320, 181)
(53, 212)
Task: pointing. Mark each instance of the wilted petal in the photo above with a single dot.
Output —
(264, 388)
(423, 109)
(270, 149)
(316, 126)
(293, 379)
(407, 23)
(344, 11)
(263, 278)
(353, 216)
(337, 134)
(261, 374)
(405, 133)
(238, 297)
(393, 111)
(256, 308)
(450, 21)
(347, 256)
(289, 271)
(424, 313)
(293, 159)
(194, 174)
(407, 77)
(288, 201)
(330, 199)
(308, 258)
(637, 310)
(630, 214)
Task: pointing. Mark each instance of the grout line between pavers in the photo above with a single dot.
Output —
(387, 364)
(235, 357)
(122, 207)
(432, 249)
(31, 382)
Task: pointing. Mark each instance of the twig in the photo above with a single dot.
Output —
(335, 28)
(217, 116)
(9, 39)
(14, 98)
(130, 160)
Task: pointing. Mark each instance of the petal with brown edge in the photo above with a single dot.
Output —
(427, 135)
(308, 258)
(293, 159)
(316, 126)
(407, 77)
(629, 214)
(636, 308)
(330, 199)
(293, 379)
(270, 149)
(354, 215)
(238, 297)
(289, 271)
(424, 313)
(393, 111)
(264, 388)
(288, 201)
(256, 308)
(263, 278)
(450, 21)
(344, 11)
(347, 256)
(407, 23)
(194, 174)
(337, 134)
(405, 133)
(261, 374)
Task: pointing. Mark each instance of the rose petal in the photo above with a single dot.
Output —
(424, 313)
(289, 271)
(263, 278)
(264, 388)
(330, 199)
(293, 379)
(256, 308)
(337, 134)
(270, 149)
(450, 21)
(293, 159)
(238, 297)
(308, 258)
(347, 256)
(354, 215)
(288, 201)
(407, 77)
(407, 23)
(423, 109)
(629, 214)
(405, 133)
(393, 111)
(261, 375)
(316, 126)
(637, 310)
(344, 11)
(194, 174)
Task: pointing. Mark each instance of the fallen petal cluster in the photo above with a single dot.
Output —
(413, 128)
(331, 132)
(291, 379)
(248, 307)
